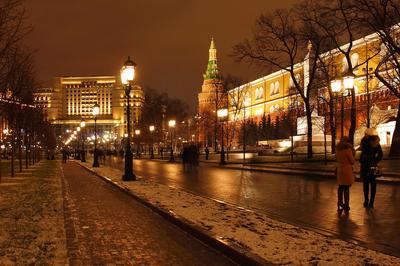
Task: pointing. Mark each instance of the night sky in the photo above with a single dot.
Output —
(168, 39)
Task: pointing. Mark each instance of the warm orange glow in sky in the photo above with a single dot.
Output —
(168, 39)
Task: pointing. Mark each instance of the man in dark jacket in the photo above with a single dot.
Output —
(371, 154)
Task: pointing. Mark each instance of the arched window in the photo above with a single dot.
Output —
(276, 91)
(259, 93)
(274, 108)
(354, 59)
(246, 99)
(271, 89)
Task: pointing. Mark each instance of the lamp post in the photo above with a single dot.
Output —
(95, 111)
(151, 128)
(78, 153)
(127, 76)
(336, 87)
(171, 124)
(246, 102)
(222, 113)
(348, 84)
(137, 134)
(83, 156)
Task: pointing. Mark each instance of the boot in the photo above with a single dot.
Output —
(340, 198)
(346, 199)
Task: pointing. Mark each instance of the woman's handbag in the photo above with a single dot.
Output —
(375, 171)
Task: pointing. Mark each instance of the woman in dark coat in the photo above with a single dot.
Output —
(371, 154)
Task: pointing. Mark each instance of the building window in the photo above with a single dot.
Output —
(274, 108)
(259, 94)
(274, 88)
(354, 59)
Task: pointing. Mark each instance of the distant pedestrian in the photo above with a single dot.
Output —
(162, 152)
(344, 172)
(207, 151)
(371, 154)
(64, 155)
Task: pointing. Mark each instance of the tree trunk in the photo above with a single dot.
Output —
(395, 147)
(12, 152)
(353, 117)
(26, 148)
(309, 131)
(332, 125)
(19, 142)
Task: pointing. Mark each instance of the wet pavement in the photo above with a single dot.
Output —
(304, 201)
(105, 226)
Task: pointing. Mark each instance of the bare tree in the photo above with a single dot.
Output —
(382, 17)
(278, 43)
(235, 94)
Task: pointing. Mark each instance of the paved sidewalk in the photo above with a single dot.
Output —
(107, 226)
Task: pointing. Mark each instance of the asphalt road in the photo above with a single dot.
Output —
(300, 200)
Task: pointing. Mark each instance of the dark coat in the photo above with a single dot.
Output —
(371, 154)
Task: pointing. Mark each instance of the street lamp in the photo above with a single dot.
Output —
(246, 102)
(222, 113)
(137, 134)
(336, 87)
(83, 156)
(171, 124)
(77, 154)
(127, 76)
(151, 128)
(95, 111)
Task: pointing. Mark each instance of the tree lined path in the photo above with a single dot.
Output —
(106, 226)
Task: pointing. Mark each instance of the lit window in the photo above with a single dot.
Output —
(259, 93)
(271, 89)
(354, 59)
(274, 88)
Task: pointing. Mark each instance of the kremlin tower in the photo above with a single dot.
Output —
(211, 98)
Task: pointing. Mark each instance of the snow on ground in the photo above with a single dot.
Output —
(31, 217)
(272, 240)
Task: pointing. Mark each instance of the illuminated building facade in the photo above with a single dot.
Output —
(274, 95)
(72, 99)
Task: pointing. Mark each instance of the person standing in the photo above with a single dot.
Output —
(207, 151)
(344, 172)
(371, 154)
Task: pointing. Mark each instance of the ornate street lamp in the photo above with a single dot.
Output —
(336, 87)
(222, 114)
(127, 76)
(83, 156)
(137, 134)
(96, 111)
(77, 154)
(151, 128)
(171, 124)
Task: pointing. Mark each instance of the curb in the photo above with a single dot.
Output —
(233, 252)
(320, 174)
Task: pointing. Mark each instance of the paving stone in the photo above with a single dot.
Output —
(107, 227)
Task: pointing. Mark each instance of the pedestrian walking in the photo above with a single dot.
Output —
(371, 155)
(64, 155)
(207, 151)
(162, 153)
(344, 172)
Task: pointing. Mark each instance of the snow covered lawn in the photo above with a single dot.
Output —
(275, 241)
(31, 217)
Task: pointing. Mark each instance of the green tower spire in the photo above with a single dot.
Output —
(212, 71)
